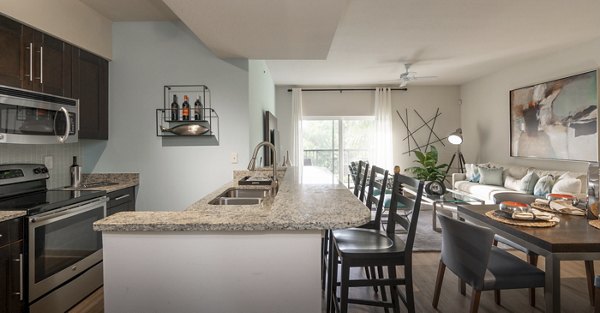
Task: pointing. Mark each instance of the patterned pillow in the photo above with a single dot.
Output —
(471, 172)
(490, 176)
(543, 186)
(528, 182)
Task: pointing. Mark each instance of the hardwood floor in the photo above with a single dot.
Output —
(573, 288)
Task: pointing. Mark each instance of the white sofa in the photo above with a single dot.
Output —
(486, 192)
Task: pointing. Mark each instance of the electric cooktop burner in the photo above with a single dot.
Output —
(42, 201)
(23, 188)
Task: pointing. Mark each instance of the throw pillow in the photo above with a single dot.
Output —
(490, 176)
(582, 179)
(528, 182)
(512, 183)
(470, 171)
(567, 185)
(543, 186)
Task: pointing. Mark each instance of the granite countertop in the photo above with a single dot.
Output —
(121, 180)
(295, 207)
(9, 215)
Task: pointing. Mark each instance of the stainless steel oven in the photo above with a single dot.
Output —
(28, 117)
(62, 245)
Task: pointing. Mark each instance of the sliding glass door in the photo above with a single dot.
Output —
(331, 144)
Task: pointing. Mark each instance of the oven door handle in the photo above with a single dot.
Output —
(69, 211)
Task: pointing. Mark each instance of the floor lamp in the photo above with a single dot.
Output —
(456, 139)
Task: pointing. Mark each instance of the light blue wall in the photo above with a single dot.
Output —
(261, 98)
(147, 56)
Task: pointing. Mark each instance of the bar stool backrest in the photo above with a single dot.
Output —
(361, 180)
(378, 179)
(412, 204)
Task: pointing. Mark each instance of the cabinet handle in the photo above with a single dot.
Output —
(41, 78)
(30, 48)
(41, 65)
(122, 197)
(20, 293)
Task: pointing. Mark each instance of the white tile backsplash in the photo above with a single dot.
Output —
(62, 155)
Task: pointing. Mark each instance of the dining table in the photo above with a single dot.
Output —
(572, 238)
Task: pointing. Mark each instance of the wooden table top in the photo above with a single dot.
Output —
(571, 234)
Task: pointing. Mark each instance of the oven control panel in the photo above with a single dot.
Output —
(18, 173)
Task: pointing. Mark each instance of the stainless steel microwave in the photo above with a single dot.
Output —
(28, 117)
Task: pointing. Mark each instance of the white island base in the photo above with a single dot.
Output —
(212, 272)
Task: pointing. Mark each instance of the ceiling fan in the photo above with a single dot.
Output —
(409, 76)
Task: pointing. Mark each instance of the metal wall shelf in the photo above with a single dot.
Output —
(205, 121)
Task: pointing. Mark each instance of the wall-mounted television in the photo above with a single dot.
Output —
(271, 134)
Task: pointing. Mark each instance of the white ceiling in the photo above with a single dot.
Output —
(360, 42)
(132, 10)
(263, 29)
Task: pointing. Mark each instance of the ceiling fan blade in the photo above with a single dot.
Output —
(425, 77)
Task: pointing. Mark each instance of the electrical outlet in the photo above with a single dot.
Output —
(49, 161)
(234, 158)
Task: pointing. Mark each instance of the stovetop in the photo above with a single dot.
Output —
(42, 201)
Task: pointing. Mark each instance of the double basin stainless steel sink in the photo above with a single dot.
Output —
(240, 196)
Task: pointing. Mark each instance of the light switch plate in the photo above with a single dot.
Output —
(49, 161)
(234, 158)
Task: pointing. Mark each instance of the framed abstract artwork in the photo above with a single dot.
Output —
(556, 119)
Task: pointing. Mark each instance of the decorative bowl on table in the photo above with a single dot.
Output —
(514, 207)
(564, 197)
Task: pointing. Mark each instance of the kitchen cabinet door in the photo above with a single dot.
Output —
(121, 201)
(54, 72)
(50, 63)
(11, 252)
(12, 53)
(90, 86)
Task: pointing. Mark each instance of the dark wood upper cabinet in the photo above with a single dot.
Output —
(55, 57)
(48, 61)
(32, 60)
(90, 86)
(11, 71)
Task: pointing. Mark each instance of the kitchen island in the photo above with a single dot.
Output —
(226, 258)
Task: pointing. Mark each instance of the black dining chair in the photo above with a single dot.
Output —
(360, 247)
(374, 202)
(468, 252)
(361, 180)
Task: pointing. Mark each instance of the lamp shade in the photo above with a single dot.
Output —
(456, 137)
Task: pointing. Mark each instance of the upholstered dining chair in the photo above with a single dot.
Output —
(532, 257)
(468, 252)
(359, 247)
(597, 292)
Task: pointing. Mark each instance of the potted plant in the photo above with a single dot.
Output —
(429, 171)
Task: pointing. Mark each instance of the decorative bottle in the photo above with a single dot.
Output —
(174, 109)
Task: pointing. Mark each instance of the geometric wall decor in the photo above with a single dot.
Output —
(422, 126)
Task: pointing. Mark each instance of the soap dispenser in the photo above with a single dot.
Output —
(75, 173)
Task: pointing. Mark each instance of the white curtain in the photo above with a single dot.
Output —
(297, 149)
(383, 152)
